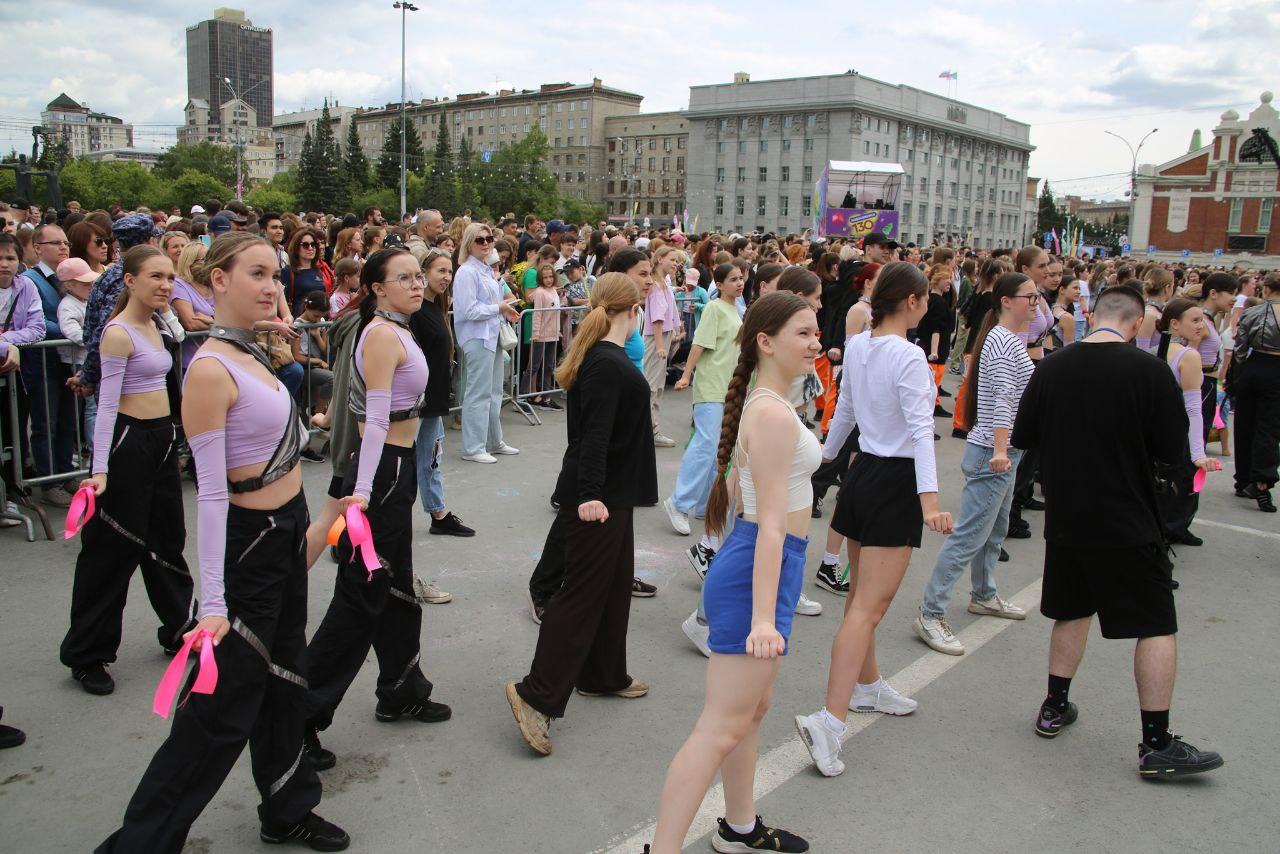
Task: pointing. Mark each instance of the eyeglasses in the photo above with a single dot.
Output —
(52, 243)
(1030, 298)
(407, 281)
(484, 240)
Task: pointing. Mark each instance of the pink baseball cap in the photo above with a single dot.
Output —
(75, 270)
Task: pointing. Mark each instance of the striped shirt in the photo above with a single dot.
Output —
(1004, 369)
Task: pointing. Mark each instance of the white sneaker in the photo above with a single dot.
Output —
(505, 450)
(823, 744)
(661, 441)
(698, 633)
(808, 607)
(700, 558)
(679, 521)
(481, 457)
(936, 632)
(428, 593)
(10, 523)
(881, 697)
(996, 607)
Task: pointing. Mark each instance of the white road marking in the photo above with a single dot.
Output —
(790, 759)
(1240, 529)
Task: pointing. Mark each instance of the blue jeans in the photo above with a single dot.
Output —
(698, 465)
(979, 530)
(291, 376)
(481, 397)
(428, 452)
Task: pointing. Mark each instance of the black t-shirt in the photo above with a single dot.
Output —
(978, 308)
(431, 331)
(610, 455)
(1122, 409)
(938, 319)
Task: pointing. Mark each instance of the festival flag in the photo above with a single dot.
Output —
(949, 75)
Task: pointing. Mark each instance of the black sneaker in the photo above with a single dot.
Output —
(828, 578)
(1050, 721)
(10, 736)
(942, 392)
(642, 590)
(1177, 759)
(816, 512)
(761, 838)
(1004, 555)
(312, 831)
(94, 679)
(427, 711)
(451, 525)
(1262, 496)
(1032, 504)
(959, 433)
(321, 758)
(700, 558)
(939, 412)
(1019, 532)
(552, 405)
(1187, 538)
(311, 456)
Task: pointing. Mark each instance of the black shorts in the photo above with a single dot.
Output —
(878, 504)
(1130, 589)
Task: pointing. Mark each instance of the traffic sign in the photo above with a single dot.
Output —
(1151, 250)
(1217, 253)
(1186, 253)
(1125, 248)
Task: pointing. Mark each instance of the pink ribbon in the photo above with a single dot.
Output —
(1197, 482)
(362, 538)
(1218, 423)
(83, 505)
(171, 682)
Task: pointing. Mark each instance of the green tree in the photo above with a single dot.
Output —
(438, 189)
(1048, 217)
(54, 151)
(414, 156)
(517, 179)
(267, 199)
(387, 170)
(467, 179)
(331, 183)
(101, 185)
(357, 165)
(315, 188)
(381, 197)
(191, 187)
(217, 161)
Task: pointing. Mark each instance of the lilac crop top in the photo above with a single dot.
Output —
(255, 425)
(408, 383)
(1211, 347)
(143, 371)
(1038, 327)
(1191, 403)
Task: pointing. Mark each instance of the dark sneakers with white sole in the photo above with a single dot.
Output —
(726, 840)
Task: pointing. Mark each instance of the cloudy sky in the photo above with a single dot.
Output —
(1122, 65)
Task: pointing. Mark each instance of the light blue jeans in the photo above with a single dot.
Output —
(979, 530)
(698, 465)
(481, 397)
(429, 453)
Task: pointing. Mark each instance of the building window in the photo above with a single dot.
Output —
(719, 148)
(666, 164)
(808, 174)
(811, 120)
(742, 146)
(679, 186)
(611, 164)
(1237, 208)
(920, 215)
(740, 205)
(764, 146)
(951, 217)
(786, 145)
(992, 195)
(724, 125)
(609, 187)
(719, 174)
(955, 190)
(866, 147)
(906, 211)
(786, 122)
(742, 174)
(924, 185)
(764, 173)
(559, 106)
(937, 216)
(760, 206)
(652, 162)
(648, 207)
(719, 205)
(1264, 216)
(784, 206)
(559, 125)
(786, 173)
(680, 164)
(542, 110)
(666, 207)
(806, 205)
(652, 184)
(808, 145)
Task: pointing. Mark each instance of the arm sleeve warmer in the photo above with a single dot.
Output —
(108, 406)
(377, 421)
(210, 453)
(1195, 432)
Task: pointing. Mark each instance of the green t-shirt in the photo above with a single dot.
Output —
(527, 284)
(715, 335)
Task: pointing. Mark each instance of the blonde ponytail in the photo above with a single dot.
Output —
(612, 293)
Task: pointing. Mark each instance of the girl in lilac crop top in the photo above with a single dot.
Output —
(382, 406)
(144, 370)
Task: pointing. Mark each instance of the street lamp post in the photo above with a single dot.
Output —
(404, 9)
(239, 140)
(1133, 173)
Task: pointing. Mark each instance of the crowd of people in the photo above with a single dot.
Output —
(230, 343)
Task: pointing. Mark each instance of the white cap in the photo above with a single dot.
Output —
(196, 209)
(493, 257)
(642, 242)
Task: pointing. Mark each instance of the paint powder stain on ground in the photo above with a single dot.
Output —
(355, 768)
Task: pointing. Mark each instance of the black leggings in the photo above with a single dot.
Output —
(379, 612)
(259, 697)
(138, 523)
(1257, 401)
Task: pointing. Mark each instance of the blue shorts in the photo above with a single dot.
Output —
(726, 594)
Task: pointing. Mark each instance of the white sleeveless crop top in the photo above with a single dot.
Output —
(804, 462)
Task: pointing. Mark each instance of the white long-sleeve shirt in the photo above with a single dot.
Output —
(475, 307)
(71, 322)
(888, 391)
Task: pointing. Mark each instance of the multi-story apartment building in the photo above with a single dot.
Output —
(290, 129)
(645, 170)
(757, 149)
(83, 130)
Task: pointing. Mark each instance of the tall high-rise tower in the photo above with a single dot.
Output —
(230, 46)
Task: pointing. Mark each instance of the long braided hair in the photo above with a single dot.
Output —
(766, 316)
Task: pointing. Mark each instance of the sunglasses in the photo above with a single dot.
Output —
(306, 244)
(483, 240)
(99, 241)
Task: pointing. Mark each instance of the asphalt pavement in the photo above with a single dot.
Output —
(964, 773)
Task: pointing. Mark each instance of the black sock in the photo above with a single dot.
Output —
(1155, 729)
(1058, 688)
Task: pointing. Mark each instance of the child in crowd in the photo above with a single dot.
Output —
(77, 280)
(346, 282)
(546, 336)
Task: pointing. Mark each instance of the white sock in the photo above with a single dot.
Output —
(741, 829)
(871, 685)
(829, 558)
(710, 542)
(833, 724)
